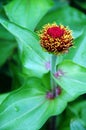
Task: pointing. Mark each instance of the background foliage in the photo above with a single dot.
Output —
(24, 77)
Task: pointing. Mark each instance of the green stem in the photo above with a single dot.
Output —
(53, 86)
(52, 71)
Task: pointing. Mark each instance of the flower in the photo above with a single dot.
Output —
(56, 38)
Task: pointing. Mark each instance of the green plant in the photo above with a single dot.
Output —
(29, 102)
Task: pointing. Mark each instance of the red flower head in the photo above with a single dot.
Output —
(56, 39)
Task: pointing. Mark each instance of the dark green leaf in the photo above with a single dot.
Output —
(6, 50)
(81, 4)
(79, 109)
(3, 96)
(5, 35)
(7, 45)
(77, 125)
(75, 115)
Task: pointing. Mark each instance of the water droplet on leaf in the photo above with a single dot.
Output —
(16, 108)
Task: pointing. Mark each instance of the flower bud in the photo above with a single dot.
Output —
(56, 38)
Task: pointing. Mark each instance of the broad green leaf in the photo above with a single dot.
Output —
(20, 109)
(6, 50)
(33, 58)
(72, 78)
(28, 107)
(68, 16)
(27, 13)
(78, 53)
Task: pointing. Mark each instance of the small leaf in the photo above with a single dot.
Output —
(27, 13)
(72, 78)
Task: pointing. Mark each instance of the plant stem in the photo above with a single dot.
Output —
(53, 85)
(53, 123)
(52, 71)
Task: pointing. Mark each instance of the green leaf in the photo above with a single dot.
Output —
(79, 109)
(72, 78)
(27, 13)
(33, 58)
(5, 35)
(78, 53)
(75, 115)
(77, 125)
(20, 109)
(59, 3)
(80, 3)
(68, 16)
